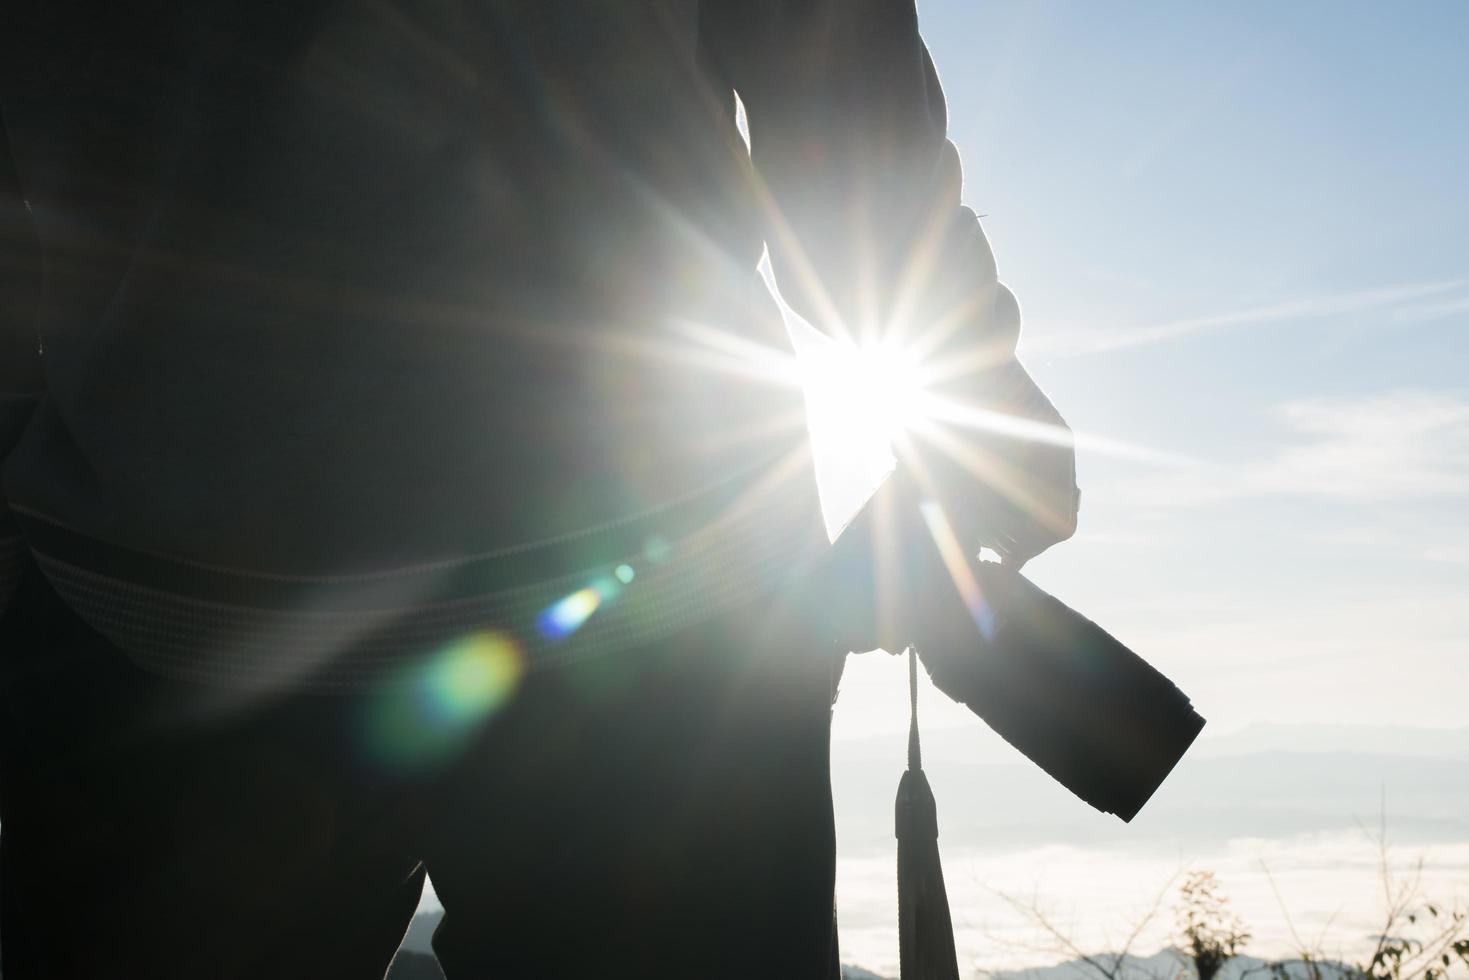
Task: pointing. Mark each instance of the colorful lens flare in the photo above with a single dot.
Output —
(567, 615)
(474, 677)
(430, 712)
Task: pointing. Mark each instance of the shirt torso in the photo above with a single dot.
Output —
(342, 285)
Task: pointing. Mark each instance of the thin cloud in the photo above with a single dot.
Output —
(1449, 554)
(1394, 446)
(1433, 311)
(1080, 343)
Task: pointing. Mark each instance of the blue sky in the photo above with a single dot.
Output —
(1240, 235)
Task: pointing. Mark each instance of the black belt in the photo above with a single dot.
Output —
(596, 591)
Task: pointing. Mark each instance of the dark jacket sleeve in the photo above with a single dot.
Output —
(868, 239)
(861, 186)
(20, 286)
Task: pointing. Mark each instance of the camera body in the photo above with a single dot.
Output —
(1067, 694)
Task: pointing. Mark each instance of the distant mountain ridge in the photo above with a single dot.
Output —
(1166, 964)
(1398, 740)
(1266, 781)
(1173, 964)
(976, 744)
(415, 959)
(411, 965)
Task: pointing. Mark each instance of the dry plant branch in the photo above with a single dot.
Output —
(1105, 966)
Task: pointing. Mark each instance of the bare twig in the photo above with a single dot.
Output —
(1106, 966)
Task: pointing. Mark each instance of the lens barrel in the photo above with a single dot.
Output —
(1096, 716)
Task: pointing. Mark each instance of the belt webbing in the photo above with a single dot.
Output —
(687, 562)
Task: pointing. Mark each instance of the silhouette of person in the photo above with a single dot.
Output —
(350, 314)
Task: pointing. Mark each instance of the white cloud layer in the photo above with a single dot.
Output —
(1327, 883)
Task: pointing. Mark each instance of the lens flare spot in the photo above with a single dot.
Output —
(657, 549)
(625, 574)
(566, 615)
(424, 717)
(474, 677)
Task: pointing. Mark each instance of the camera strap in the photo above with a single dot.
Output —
(925, 927)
